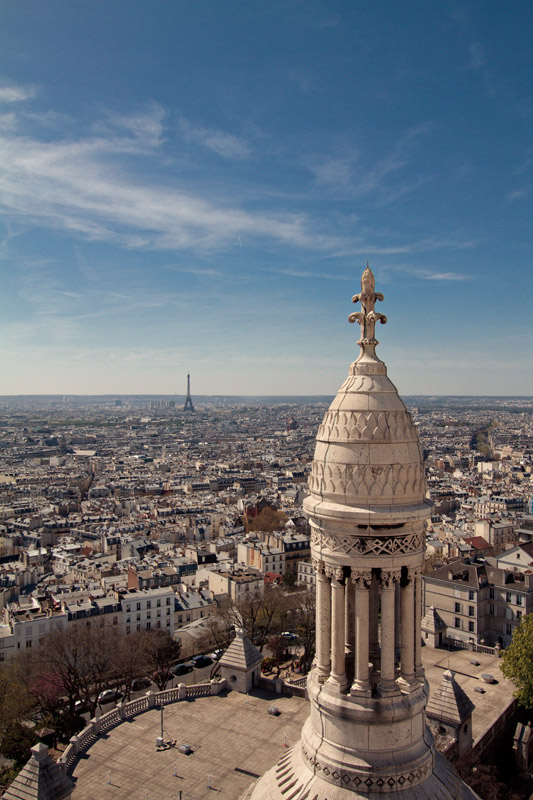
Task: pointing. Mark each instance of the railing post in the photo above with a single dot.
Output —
(121, 710)
(95, 724)
(151, 699)
(182, 691)
(75, 744)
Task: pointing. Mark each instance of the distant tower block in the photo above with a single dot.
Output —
(188, 402)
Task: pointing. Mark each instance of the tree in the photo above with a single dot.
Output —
(15, 699)
(160, 652)
(73, 663)
(517, 661)
(305, 616)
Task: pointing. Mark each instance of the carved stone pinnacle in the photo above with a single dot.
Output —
(368, 317)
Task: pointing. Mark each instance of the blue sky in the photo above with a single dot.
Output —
(196, 186)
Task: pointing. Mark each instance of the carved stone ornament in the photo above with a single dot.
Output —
(368, 316)
(366, 426)
(361, 579)
(318, 566)
(335, 572)
(368, 545)
(390, 577)
(361, 781)
(380, 482)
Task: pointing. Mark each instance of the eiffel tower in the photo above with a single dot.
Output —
(188, 402)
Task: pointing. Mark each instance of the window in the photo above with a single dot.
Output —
(28, 643)
(508, 597)
(508, 629)
(148, 614)
(138, 626)
(471, 594)
(128, 628)
(471, 627)
(519, 599)
(148, 626)
(457, 622)
(148, 604)
(138, 617)
(158, 603)
(115, 620)
(491, 609)
(471, 611)
(458, 608)
(158, 623)
(518, 616)
(138, 606)
(168, 601)
(491, 593)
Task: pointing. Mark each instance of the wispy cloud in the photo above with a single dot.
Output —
(225, 144)
(477, 58)
(78, 185)
(516, 195)
(16, 94)
(352, 174)
(429, 275)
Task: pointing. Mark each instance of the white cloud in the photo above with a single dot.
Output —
(225, 144)
(15, 94)
(78, 185)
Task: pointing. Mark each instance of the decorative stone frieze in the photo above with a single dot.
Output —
(368, 545)
(362, 781)
(379, 482)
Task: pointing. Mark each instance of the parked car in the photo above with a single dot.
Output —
(182, 669)
(216, 654)
(108, 696)
(201, 661)
(140, 683)
(288, 635)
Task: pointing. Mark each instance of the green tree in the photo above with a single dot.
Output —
(517, 661)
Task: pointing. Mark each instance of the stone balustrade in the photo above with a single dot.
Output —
(96, 727)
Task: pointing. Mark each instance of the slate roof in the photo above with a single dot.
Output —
(40, 779)
(450, 703)
(241, 654)
(433, 622)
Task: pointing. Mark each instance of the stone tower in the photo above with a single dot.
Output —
(367, 507)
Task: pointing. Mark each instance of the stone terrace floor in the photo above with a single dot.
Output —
(234, 739)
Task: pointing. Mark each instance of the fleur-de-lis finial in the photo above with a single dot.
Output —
(368, 317)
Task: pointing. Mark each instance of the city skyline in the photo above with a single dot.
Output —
(197, 188)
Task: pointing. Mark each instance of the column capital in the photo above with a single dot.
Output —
(390, 577)
(361, 578)
(410, 575)
(319, 566)
(337, 573)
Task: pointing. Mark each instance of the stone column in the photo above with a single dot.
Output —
(374, 624)
(349, 629)
(338, 670)
(408, 629)
(419, 669)
(361, 684)
(323, 621)
(389, 580)
(398, 624)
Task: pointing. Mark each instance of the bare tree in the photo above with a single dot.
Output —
(160, 652)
